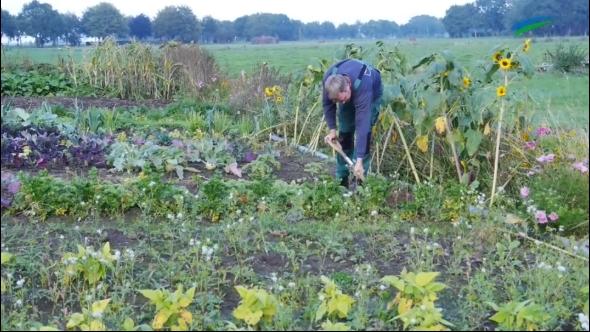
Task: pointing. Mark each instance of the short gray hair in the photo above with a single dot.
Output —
(334, 85)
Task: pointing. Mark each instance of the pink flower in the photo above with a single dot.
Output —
(546, 159)
(541, 217)
(524, 192)
(580, 167)
(553, 216)
(543, 131)
(530, 145)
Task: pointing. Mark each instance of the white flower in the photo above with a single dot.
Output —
(99, 231)
(18, 303)
(179, 215)
(583, 318)
(382, 287)
(373, 213)
(151, 184)
(117, 255)
(61, 237)
(20, 282)
(170, 216)
(321, 297)
(561, 268)
(192, 242)
(130, 254)
(291, 285)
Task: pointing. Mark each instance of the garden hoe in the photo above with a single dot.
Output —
(338, 148)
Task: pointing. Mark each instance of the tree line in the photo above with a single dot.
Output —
(480, 18)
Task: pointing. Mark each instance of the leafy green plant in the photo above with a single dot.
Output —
(415, 299)
(263, 167)
(213, 202)
(323, 199)
(334, 304)
(514, 316)
(566, 59)
(171, 307)
(255, 304)
(89, 319)
(91, 264)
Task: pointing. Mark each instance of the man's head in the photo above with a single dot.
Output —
(338, 88)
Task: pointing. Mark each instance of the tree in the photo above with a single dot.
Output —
(210, 26)
(104, 20)
(140, 26)
(492, 14)
(462, 21)
(380, 29)
(9, 27)
(72, 29)
(176, 23)
(40, 21)
(423, 26)
(225, 32)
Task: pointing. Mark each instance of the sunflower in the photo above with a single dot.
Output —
(466, 82)
(501, 91)
(506, 64)
(527, 45)
(497, 57)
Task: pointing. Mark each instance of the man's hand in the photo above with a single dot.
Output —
(359, 170)
(331, 137)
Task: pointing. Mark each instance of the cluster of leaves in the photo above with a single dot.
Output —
(89, 319)
(415, 299)
(518, 316)
(255, 305)
(171, 308)
(263, 167)
(42, 81)
(40, 140)
(323, 199)
(373, 193)
(213, 203)
(42, 196)
(91, 264)
(334, 304)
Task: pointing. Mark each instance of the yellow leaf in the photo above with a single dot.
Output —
(161, 318)
(187, 316)
(6, 257)
(424, 278)
(404, 305)
(422, 143)
(441, 124)
(245, 314)
(97, 325)
(99, 307)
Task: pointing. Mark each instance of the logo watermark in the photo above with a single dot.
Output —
(530, 24)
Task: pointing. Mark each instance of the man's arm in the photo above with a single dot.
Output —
(362, 104)
(329, 110)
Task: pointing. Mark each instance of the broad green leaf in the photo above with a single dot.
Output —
(75, 320)
(99, 307)
(474, 138)
(128, 324)
(424, 278)
(321, 311)
(329, 326)
(156, 296)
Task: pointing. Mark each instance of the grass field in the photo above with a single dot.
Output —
(564, 96)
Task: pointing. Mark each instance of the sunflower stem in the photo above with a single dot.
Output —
(498, 135)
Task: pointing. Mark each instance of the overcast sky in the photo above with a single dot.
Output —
(336, 11)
